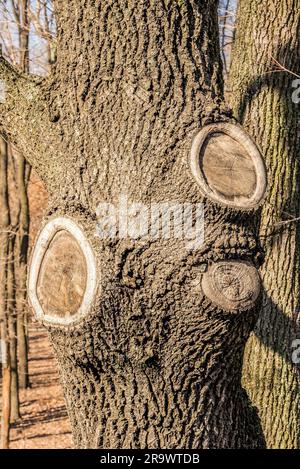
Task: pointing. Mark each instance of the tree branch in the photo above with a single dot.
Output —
(24, 119)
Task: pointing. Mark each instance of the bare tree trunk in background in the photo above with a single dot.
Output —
(12, 327)
(6, 402)
(227, 32)
(5, 342)
(223, 33)
(10, 295)
(48, 34)
(23, 174)
(23, 170)
(263, 101)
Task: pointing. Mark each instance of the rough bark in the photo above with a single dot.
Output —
(262, 100)
(24, 117)
(155, 363)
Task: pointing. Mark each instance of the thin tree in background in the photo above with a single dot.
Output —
(264, 83)
(21, 14)
(11, 309)
(43, 24)
(5, 339)
(227, 10)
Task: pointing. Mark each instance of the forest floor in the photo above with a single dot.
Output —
(44, 423)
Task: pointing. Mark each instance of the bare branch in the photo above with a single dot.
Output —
(281, 68)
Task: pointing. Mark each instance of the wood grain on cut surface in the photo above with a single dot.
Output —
(227, 167)
(62, 277)
(233, 285)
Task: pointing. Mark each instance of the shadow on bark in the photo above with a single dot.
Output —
(282, 328)
(274, 328)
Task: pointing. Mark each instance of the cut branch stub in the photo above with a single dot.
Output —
(232, 285)
(62, 277)
(228, 166)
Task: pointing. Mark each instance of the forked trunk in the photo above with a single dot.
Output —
(149, 325)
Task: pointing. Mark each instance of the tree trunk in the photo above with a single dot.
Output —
(149, 332)
(23, 173)
(6, 405)
(7, 261)
(5, 343)
(12, 327)
(23, 169)
(262, 94)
